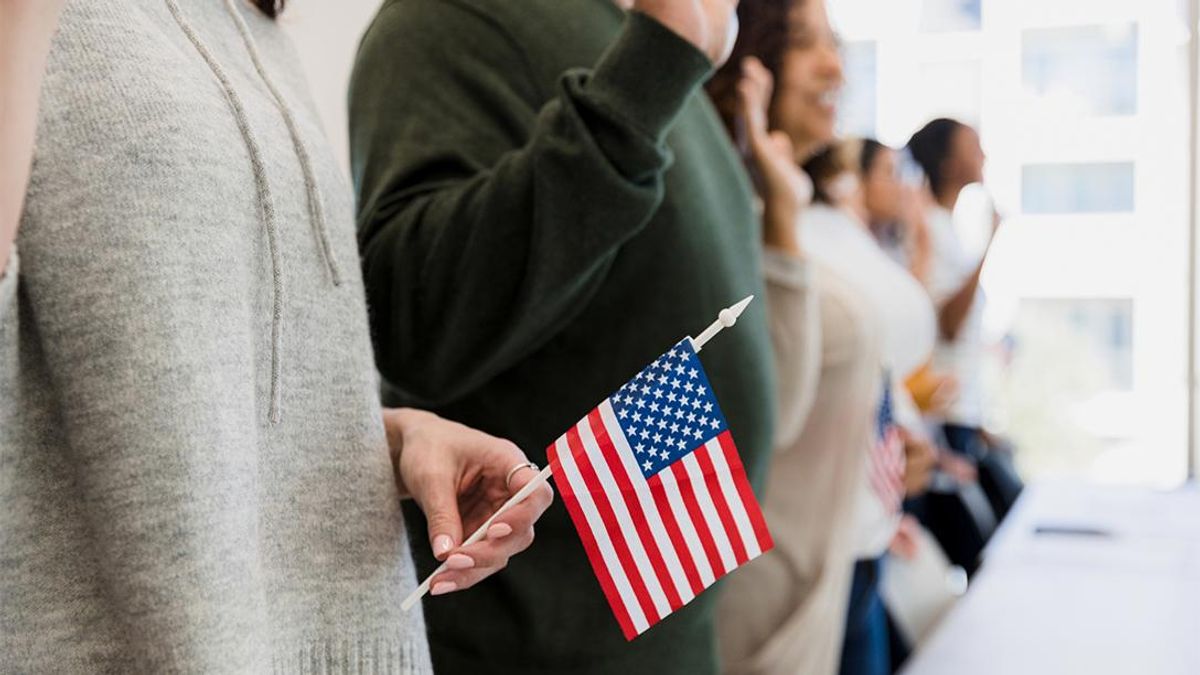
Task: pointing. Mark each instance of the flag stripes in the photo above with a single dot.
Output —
(655, 543)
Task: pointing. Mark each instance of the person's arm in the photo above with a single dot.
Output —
(486, 223)
(954, 311)
(26, 29)
(792, 300)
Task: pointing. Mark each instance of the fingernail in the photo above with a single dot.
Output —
(442, 544)
(499, 530)
(443, 587)
(458, 561)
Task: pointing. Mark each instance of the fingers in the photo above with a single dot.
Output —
(472, 564)
(508, 535)
(754, 95)
(445, 525)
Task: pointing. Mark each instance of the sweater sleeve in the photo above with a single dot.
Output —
(490, 212)
(795, 325)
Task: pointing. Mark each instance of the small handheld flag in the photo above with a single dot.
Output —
(653, 482)
(656, 489)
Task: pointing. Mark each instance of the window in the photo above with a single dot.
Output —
(1069, 380)
(1077, 188)
(1092, 68)
(950, 15)
(858, 94)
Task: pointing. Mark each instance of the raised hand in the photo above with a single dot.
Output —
(783, 186)
(710, 25)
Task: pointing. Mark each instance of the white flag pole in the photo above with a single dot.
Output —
(725, 319)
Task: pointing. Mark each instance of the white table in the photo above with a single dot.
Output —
(1128, 602)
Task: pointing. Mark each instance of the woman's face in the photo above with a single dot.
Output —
(966, 156)
(882, 188)
(810, 80)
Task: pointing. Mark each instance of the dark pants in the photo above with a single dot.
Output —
(865, 649)
(997, 475)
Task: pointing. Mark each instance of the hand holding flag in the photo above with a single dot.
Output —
(655, 487)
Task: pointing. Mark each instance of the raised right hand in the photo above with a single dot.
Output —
(710, 25)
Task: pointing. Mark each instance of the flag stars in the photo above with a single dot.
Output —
(693, 373)
(662, 379)
(691, 418)
(623, 414)
(680, 369)
(646, 466)
(671, 396)
(700, 389)
(714, 424)
(679, 414)
(639, 448)
(675, 384)
(637, 417)
(654, 407)
(682, 444)
(658, 393)
(674, 428)
(687, 386)
(708, 407)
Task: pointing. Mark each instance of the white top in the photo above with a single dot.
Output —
(962, 358)
(837, 238)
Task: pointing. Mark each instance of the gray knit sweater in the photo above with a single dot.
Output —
(193, 471)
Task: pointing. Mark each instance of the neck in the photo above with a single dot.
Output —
(949, 196)
(807, 148)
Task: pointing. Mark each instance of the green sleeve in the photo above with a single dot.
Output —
(490, 212)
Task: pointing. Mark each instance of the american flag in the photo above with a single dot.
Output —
(885, 466)
(655, 487)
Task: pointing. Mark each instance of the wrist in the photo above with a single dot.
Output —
(396, 423)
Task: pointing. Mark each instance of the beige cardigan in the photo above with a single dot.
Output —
(784, 613)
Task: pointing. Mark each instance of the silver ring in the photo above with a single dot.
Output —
(512, 472)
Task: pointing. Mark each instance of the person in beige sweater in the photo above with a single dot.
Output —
(785, 612)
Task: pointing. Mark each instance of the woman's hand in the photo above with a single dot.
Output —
(783, 186)
(458, 475)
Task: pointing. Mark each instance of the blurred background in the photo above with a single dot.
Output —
(1082, 106)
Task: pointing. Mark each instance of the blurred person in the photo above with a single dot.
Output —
(834, 230)
(893, 209)
(547, 202)
(197, 474)
(785, 613)
(950, 155)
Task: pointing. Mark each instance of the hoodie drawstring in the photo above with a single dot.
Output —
(315, 208)
(262, 185)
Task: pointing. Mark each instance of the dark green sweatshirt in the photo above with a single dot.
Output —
(547, 201)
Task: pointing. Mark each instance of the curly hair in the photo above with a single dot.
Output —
(765, 32)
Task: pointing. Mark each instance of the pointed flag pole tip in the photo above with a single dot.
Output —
(726, 318)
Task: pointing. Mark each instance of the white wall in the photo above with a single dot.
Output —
(326, 34)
